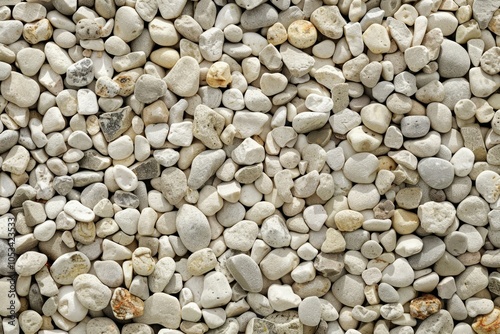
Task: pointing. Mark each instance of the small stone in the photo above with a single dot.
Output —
(282, 297)
(201, 262)
(302, 34)
(246, 272)
(297, 62)
(128, 24)
(155, 308)
(219, 75)
(78, 211)
(216, 290)
(278, 263)
(208, 126)
(440, 322)
(349, 290)
(205, 165)
(436, 217)
(30, 321)
(310, 311)
(30, 263)
(487, 184)
(113, 124)
(376, 38)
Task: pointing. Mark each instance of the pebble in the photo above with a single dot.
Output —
(282, 297)
(157, 306)
(193, 228)
(486, 323)
(398, 274)
(183, 78)
(437, 173)
(329, 21)
(440, 322)
(91, 292)
(68, 266)
(349, 290)
(10, 90)
(246, 272)
(30, 263)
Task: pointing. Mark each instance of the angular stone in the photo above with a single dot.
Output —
(115, 123)
(207, 126)
(146, 170)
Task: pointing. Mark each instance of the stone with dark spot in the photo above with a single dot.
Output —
(94, 161)
(125, 199)
(146, 170)
(81, 73)
(115, 123)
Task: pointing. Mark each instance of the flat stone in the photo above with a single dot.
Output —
(205, 165)
(297, 62)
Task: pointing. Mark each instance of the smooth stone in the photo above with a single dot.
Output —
(91, 292)
(216, 290)
(349, 290)
(68, 266)
(398, 274)
(246, 272)
(437, 173)
(440, 322)
(193, 227)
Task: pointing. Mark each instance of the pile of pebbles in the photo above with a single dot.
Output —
(299, 167)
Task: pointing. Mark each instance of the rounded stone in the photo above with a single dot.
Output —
(437, 173)
(193, 228)
(453, 61)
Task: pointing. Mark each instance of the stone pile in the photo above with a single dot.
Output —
(250, 166)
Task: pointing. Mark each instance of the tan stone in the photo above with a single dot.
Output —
(348, 220)
(302, 34)
(219, 75)
(276, 34)
(488, 323)
(425, 306)
(404, 222)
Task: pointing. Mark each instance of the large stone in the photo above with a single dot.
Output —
(193, 228)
